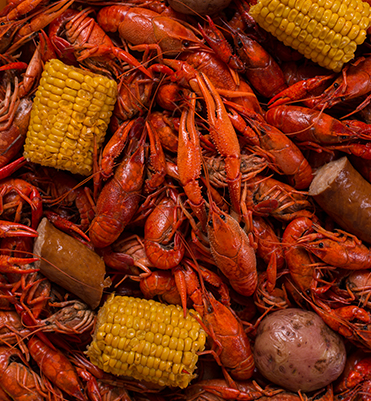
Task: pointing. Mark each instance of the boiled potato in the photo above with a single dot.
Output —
(206, 7)
(296, 350)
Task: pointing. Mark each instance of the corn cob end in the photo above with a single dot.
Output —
(147, 340)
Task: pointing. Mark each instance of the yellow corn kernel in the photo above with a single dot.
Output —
(316, 28)
(70, 115)
(160, 347)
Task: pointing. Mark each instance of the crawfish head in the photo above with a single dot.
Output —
(223, 232)
(227, 333)
(215, 313)
(173, 37)
(329, 251)
(7, 32)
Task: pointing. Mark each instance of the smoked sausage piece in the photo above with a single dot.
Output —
(345, 195)
(70, 264)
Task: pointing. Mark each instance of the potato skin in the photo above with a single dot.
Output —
(204, 7)
(296, 350)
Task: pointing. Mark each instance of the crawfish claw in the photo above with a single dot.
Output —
(9, 264)
(10, 229)
(224, 137)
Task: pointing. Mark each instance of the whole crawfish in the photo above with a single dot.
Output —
(285, 157)
(224, 137)
(232, 250)
(147, 29)
(16, 33)
(353, 83)
(339, 249)
(310, 127)
(14, 194)
(56, 367)
(189, 161)
(88, 41)
(267, 196)
(230, 344)
(120, 197)
(191, 63)
(17, 379)
(13, 137)
(261, 70)
(350, 321)
(63, 190)
(162, 241)
(301, 264)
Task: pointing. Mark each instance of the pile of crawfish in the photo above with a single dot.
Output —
(199, 196)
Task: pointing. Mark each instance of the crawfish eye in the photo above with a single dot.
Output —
(336, 85)
(186, 43)
(222, 216)
(210, 223)
(321, 245)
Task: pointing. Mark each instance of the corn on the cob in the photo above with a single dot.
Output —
(325, 31)
(147, 340)
(70, 114)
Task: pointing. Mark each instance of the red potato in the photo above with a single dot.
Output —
(345, 196)
(296, 350)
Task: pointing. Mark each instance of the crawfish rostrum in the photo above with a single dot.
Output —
(199, 196)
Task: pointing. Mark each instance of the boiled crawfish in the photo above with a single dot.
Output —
(119, 198)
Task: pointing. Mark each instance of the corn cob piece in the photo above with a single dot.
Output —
(147, 340)
(325, 31)
(70, 114)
